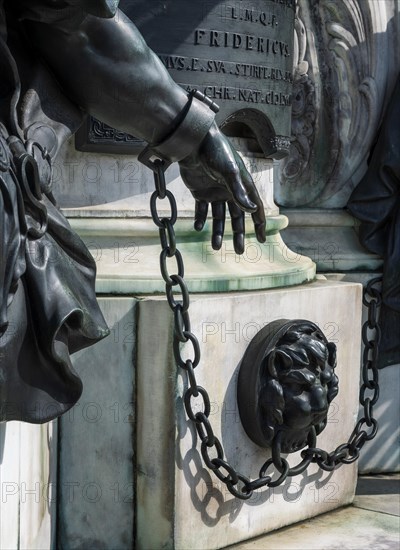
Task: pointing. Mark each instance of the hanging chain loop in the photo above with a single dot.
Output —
(197, 401)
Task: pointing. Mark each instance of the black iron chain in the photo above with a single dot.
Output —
(369, 390)
(196, 397)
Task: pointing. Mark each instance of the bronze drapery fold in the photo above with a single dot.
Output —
(376, 203)
(48, 306)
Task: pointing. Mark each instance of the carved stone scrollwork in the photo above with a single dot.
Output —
(346, 62)
(286, 382)
(97, 136)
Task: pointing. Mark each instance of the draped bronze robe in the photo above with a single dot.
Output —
(48, 307)
(376, 202)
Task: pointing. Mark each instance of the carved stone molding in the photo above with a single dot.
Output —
(346, 60)
(97, 136)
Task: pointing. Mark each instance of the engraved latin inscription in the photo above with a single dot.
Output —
(255, 31)
(265, 49)
(266, 97)
(237, 52)
(251, 15)
(246, 70)
(237, 40)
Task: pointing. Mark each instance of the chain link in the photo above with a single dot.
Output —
(196, 396)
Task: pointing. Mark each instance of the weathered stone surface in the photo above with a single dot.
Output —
(329, 237)
(96, 470)
(28, 476)
(38, 486)
(119, 185)
(347, 529)
(9, 483)
(379, 493)
(180, 503)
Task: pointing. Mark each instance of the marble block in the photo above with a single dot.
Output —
(96, 443)
(180, 504)
(38, 486)
(28, 476)
(9, 484)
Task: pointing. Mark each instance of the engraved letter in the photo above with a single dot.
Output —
(237, 40)
(214, 35)
(249, 42)
(199, 35)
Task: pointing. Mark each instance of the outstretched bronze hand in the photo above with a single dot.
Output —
(215, 174)
(109, 55)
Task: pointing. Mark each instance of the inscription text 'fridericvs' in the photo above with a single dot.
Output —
(235, 40)
(238, 53)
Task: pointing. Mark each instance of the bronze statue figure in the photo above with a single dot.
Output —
(62, 59)
(376, 203)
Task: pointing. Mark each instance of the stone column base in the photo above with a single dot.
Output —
(127, 253)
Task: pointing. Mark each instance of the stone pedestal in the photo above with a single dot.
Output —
(180, 504)
(131, 473)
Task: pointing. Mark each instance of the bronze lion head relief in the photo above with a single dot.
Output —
(286, 382)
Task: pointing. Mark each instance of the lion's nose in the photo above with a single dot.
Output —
(318, 400)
